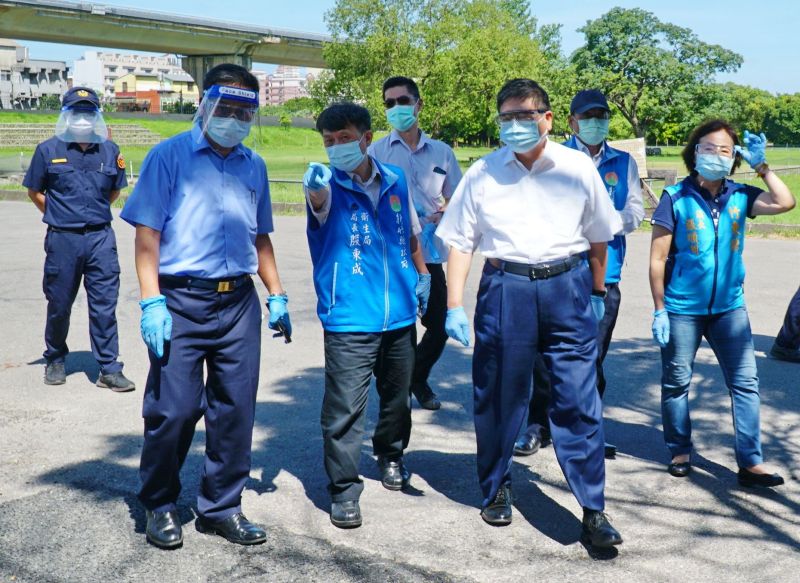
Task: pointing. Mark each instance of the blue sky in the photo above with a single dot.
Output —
(763, 33)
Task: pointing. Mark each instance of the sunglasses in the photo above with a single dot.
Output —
(240, 113)
(390, 102)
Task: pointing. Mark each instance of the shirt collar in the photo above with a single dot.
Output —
(544, 159)
(585, 149)
(375, 175)
(396, 137)
(76, 146)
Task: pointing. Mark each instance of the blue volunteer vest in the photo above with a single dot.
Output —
(363, 273)
(705, 267)
(613, 169)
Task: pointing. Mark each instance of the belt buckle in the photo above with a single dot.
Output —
(224, 286)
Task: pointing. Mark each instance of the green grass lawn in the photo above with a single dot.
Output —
(287, 152)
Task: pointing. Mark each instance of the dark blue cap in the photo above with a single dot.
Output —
(588, 99)
(80, 96)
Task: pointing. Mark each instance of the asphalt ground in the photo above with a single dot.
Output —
(69, 455)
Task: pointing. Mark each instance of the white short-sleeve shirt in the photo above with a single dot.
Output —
(552, 211)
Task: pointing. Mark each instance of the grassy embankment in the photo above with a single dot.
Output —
(288, 152)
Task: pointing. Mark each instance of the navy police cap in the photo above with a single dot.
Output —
(588, 99)
(80, 96)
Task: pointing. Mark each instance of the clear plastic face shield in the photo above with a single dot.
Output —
(81, 123)
(227, 113)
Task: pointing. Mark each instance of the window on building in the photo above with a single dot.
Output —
(124, 86)
(190, 87)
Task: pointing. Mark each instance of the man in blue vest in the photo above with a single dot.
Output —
(362, 234)
(73, 179)
(589, 114)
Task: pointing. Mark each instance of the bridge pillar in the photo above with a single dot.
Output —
(198, 65)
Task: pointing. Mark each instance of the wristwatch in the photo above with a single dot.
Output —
(762, 169)
(600, 293)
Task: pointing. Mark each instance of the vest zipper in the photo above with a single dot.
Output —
(333, 287)
(385, 270)
(716, 256)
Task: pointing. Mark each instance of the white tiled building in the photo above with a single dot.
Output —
(24, 81)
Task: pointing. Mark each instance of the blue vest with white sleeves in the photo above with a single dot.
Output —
(705, 267)
(613, 169)
(363, 273)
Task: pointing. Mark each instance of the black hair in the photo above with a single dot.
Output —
(406, 82)
(338, 116)
(523, 89)
(708, 127)
(230, 74)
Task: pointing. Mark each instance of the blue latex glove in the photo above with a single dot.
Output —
(756, 152)
(457, 326)
(423, 292)
(428, 240)
(598, 307)
(317, 177)
(661, 328)
(279, 316)
(156, 324)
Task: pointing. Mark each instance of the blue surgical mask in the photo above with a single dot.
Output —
(592, 131)
(520, 136)
(401, 117)
(227, 131)
(713, 166)
(347, 156)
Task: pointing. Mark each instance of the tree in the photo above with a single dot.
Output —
(645, 66)
(459, 52)
(782, 122)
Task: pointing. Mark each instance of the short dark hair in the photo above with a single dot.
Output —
(708, 127)
(406, 82)
(229, 74)
(338, 116)
(523, 89)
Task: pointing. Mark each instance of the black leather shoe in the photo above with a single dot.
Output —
(346, 514)
(498, 513)
(164, 529)
(786, 354)
(55, 374)
(116, 381)
(527, 445)
(597, 530)
(236, 529)
(680, 469)
(749, 479)
(426, 397)
(610, 451)
(394, 474)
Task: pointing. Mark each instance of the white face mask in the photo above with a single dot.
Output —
(81, 125)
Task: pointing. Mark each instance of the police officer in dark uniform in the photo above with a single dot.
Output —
(73, 179)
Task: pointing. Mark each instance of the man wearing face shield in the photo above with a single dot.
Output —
(369, 275)
(535, 209)
(203, 216)
(73, 179)
(589, 114)
(432, 174)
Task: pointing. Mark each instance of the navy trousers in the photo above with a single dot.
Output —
(789, 335)
(516, 319)
(537, 414)
(221, 331)
(91, 256)
(432, 345)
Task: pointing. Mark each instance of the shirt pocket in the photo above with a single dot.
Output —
(62, 178)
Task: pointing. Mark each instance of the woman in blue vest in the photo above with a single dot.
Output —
(696, 277)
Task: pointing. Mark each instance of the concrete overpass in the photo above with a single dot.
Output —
(201, 42)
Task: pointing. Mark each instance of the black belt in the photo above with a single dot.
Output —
(80, 230)
(218, 285)
(539, 270)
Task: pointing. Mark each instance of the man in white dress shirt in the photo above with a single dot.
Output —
(432, 174)
(536, 210)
